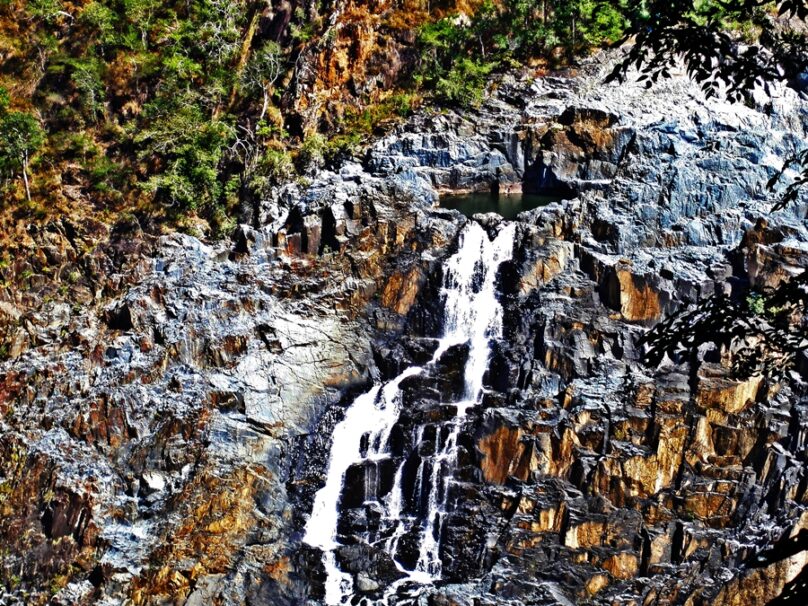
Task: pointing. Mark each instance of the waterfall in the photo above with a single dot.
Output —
(473, 315)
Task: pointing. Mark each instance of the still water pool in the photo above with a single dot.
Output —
(506, 205)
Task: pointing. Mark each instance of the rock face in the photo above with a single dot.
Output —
(585, 476)
(165, 444)
(146, 451)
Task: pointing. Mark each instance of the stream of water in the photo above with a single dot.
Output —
(473, 315)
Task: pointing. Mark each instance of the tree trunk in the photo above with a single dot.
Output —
(265, 106)
(25, 177)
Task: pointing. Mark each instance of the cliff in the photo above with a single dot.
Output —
(163, 440)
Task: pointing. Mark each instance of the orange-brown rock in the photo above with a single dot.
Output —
(577, 136)
(103, 423)
(596, 583)
(717, 390)
(216, 513)
(640, 475)
(558, 255)
(638, 300)
(624, 565)
(504, 455)
(401, 290)
(545, 520)
(760, 585)
(712, 508)
(586, 534)
(361, 55)
(47, 531)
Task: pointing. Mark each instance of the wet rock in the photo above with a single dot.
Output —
(166, 443)
(371, 481)
(361, 559)
(365, 584)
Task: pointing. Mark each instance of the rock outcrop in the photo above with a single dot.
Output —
(164, 444)
(586, 476)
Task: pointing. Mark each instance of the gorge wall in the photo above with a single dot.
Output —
(166, 445)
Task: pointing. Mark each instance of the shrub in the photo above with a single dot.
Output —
(190, 148)
(311, 154)
(102, 20)
(464, 84)
(274, 167)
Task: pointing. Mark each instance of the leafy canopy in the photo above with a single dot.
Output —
(457, 54)
(20, 137)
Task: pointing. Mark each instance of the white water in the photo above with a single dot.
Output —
(473, 315)
(374, 413)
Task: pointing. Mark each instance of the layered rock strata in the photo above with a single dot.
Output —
(164, 445)
(587, 477)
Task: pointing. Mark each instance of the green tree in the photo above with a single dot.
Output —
(188, 148)
(457, 54)
(20, 138)
(262, 70)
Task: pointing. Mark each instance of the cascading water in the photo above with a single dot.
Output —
(472, 315)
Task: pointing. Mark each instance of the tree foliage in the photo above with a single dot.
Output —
(458, 53)
(759, 331)
(190, 148)
(700, 35)
(20, 138)
(165, 94)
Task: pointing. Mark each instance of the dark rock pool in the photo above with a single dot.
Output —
(506, 205)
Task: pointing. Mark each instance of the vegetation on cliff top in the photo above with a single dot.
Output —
(171, 109)
(176, 110)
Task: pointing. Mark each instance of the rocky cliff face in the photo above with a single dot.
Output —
(165, 444)
(366, 50)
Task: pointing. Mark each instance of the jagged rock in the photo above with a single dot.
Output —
(401, 290)
(505, 454)
(167, 442)
(365, 584)
(631, 295)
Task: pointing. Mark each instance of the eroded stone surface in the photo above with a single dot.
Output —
(164, 445)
